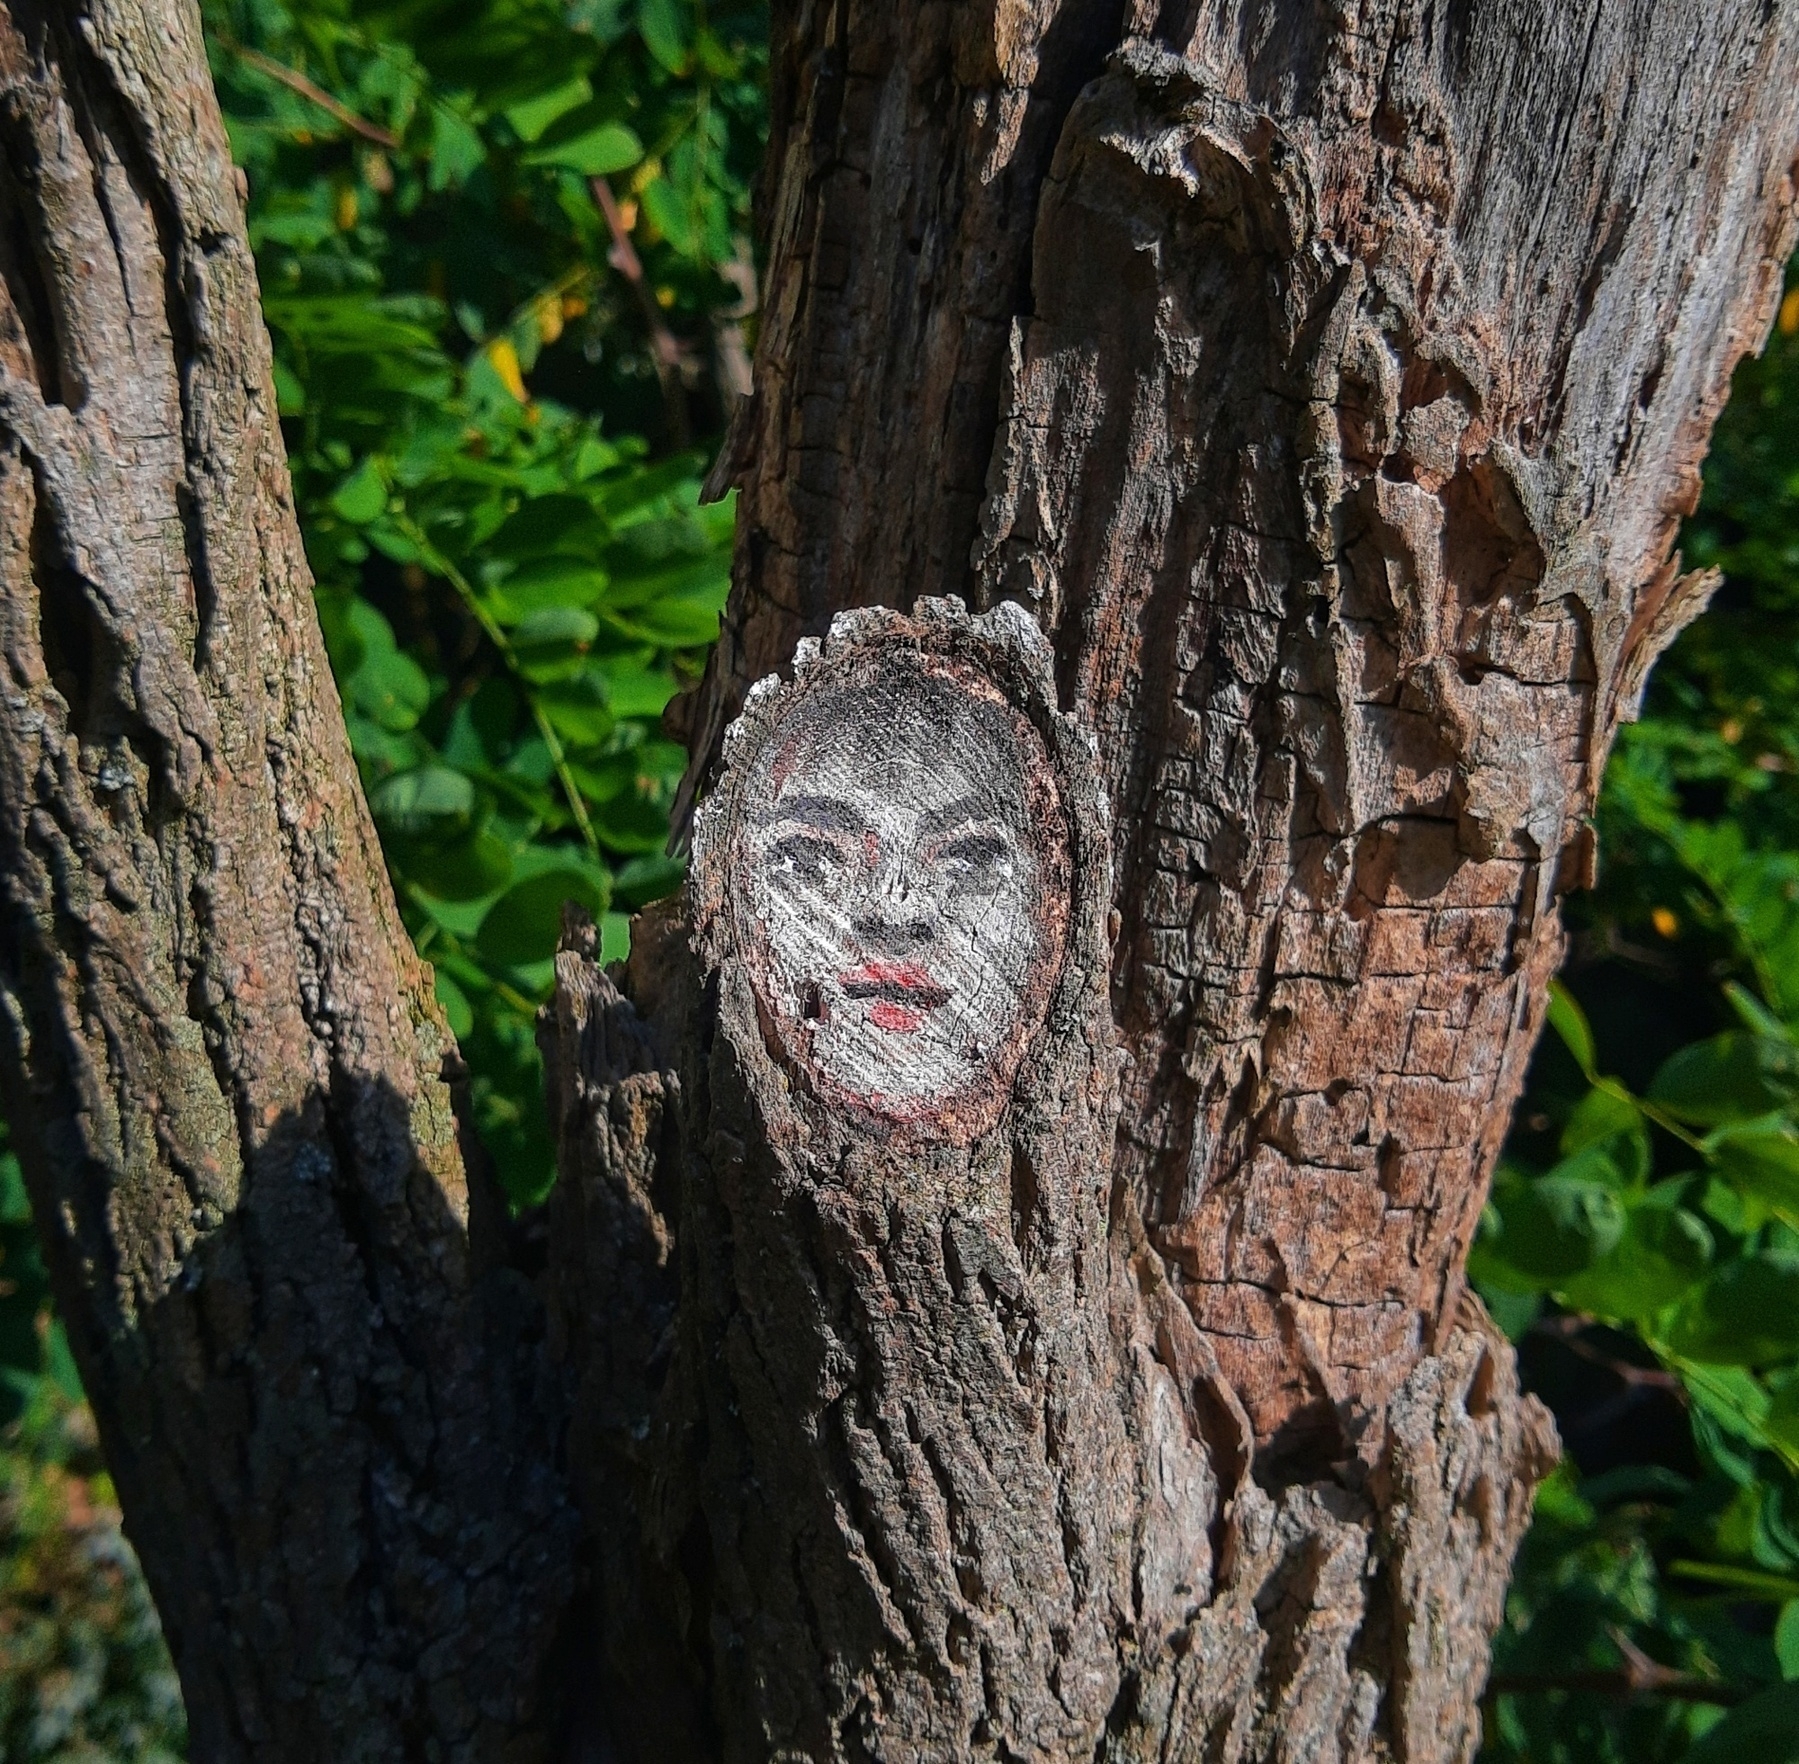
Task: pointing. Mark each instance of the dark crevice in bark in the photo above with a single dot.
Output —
(66, 627)
(27, 290)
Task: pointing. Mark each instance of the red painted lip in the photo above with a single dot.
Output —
(895, 1018)
(905, 986)
(905, 982)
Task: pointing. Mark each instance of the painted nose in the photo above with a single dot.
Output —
(890, 910)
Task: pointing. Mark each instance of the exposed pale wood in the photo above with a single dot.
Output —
(225, 1071)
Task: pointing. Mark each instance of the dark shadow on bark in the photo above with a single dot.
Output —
(338, 1438)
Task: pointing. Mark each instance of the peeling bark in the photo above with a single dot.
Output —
(1337, 378)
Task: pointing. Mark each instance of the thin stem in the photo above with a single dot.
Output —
(497, 637)
(296, 81)
(1751, 1582)
(1620, 1683)
(665, 351)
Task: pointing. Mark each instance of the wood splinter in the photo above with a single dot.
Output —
(932, 1462)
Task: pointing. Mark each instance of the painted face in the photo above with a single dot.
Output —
(898, 879)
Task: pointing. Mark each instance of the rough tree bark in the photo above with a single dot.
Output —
(1328, 384)
(323, 1400)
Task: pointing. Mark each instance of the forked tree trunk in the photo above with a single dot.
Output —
(1327, 384)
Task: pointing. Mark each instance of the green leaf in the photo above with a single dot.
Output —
(59, 1362)
(1664, 1251)
(537, 587)
(290, 391)
(597, 152)
(647, 878)
(525, 923)
(1729, 1415)
(550, 625)
(431, 799)
(1760, 1159)
(662, 24)
(362, 495)
(662, 203)
(1722, 1079)
(1746, 1314)
(577, 708)
(706, 578)
(634, 820)
(1514, 1312)
(456, 1007)
(531, 116)
(456, 148)
(670, 624)
(464, 869)
(1754, 1015)
(15, 1203)
(392, 689)
(1786, 1640)
(1606, 1112)
(1764, 1730)
(637, 691)
(1781, 1423)
(1555, 1226)
(561, 525)
(1569, 1021)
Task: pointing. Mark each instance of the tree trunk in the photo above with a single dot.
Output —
(1328, 385)
(931, 1461)
(328, 1417)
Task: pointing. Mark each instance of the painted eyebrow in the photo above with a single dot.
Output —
(828, 813)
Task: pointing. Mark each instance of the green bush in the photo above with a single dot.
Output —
(84, 1675)
(488, 394)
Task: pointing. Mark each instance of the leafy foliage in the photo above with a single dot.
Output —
(487, 394)
(1642, 1244)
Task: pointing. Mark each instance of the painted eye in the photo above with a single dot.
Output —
(805, 856)
(969, 854)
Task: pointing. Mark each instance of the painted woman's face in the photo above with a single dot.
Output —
(895, 875)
